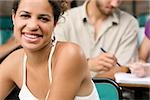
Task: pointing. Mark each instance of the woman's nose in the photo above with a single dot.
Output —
(32, 24)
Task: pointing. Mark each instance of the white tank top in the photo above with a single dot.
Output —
(26, 94)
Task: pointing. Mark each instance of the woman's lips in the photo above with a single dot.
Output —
(32, 37)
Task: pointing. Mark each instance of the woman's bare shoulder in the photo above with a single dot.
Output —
(14, 55)
(13, 60)
(70, 48)
(71, 57)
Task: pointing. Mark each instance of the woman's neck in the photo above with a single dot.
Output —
(37, 58)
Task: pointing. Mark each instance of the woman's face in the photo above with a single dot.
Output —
(33, 23)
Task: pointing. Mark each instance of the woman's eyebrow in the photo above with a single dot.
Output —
(22, 11)
(46, 15)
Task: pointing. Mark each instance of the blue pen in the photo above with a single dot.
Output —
(106, 52)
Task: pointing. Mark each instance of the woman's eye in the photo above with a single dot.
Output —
(43, 19)
(25, 16)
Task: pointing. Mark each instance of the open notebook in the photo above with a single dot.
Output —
(130, 78)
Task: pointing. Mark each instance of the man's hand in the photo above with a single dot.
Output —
(102, 62)
(139, 69)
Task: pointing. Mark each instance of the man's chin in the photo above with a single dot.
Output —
(107, 13)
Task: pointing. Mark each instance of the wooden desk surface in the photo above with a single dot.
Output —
(134, 85)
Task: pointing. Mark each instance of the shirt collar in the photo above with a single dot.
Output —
(114, 18)
(84, 14)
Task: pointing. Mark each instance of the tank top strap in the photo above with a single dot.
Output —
(24, 69)
(50, 60)
(49, 63)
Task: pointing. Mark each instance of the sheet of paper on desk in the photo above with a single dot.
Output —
(130, 78)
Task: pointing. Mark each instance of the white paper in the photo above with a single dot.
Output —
(130, 78)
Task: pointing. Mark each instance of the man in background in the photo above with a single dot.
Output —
(97, 25)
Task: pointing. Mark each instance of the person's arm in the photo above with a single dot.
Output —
(6, 83)
(8, 47)
(102, 62)
(127, 49)
(110, 74)
(144, 50)
(137, 68)
(107, 63)
(68, 74)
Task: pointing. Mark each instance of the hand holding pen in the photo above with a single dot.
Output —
(102, 62)
(106, 52)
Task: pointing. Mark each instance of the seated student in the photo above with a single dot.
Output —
(101, 24)
(42, 70)
(144, 54)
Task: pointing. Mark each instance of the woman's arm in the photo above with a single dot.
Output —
(10, 73)
(6, 84)
(68, 74)
(144, 49)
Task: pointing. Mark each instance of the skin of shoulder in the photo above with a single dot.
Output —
(13, 60)
(10, 72)
(70, 53)
(69, 72)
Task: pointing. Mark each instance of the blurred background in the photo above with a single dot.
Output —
(138, 8)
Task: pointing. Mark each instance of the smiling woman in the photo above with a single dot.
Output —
(31, 25)
(43, 61)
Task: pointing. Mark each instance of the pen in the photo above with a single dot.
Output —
(106, 52)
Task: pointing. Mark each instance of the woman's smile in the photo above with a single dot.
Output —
(32, 37)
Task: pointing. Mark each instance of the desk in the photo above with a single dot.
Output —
(141, 91)
(130, 80)
(139, 86)
(134, 85)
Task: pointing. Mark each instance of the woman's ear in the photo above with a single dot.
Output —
(13, 16)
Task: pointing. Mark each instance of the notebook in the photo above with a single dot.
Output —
(121, 77)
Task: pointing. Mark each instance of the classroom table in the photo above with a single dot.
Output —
(134, 85)
(141, 91)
